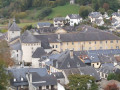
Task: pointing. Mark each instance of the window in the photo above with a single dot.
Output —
(117, 47)
(89, 42)
(89, 48)
(95, 42)
(61, 43)
(111, 47)
(12, 31)
(111, 41)
(97, 63)
(78, 43)
(67, 43)
(47, 87)
(100, 47)
(117, 41)
(17, 55)
(100, 42)
(17, 50)
(15, 80)
(21, 79)
(53, 46)
(72, 43)
(56, 46)
(106, 41)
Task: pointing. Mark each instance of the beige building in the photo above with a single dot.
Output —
(87, 39)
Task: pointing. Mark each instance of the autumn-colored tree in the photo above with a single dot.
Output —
(5, 55)
(106, 6)
(112, 86)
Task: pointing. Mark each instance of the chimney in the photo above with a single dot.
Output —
(71, 53)
(58, 36)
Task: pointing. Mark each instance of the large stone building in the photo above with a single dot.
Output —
(88, 38)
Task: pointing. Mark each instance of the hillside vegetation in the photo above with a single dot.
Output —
(63, 11)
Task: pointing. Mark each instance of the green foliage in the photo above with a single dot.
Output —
(63, 11)
(102, 27)
(109, 12)
(113, 76)
(27, 27)
(101, 10)
(4, 77)
(3, 30)
(107, 21)
(79, 82)
(44, 12)
(84, 11)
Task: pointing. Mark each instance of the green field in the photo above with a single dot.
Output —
(60, 11)
(63, 11)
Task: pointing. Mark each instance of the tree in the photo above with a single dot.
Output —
(102, 10)
(4, 77)
(106, 6)
(112, 86)
(27, 27)
(81, 82)
(110, 12)
(84, 11)
(113, 76)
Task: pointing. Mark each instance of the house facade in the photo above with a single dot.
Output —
(73, 19)
(59, 22)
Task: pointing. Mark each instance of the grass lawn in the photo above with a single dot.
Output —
(63, 11)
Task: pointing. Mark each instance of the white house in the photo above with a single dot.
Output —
(72, 1)
(116, 18)
(59, 22)
(73, 19)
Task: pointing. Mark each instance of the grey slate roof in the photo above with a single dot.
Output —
(16, 46)
(89, 34)
(44, 24)
(71, 71)
(74, 16)
(27, 37)
(107, 69)
(59, 19)
(66, 62)
(46, 30)
(19, 73)
(89, 70)
(58, 75)
(14, 27)
(48, 80)
(39, 53)
(95, 14)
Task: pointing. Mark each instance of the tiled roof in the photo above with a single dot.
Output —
(74, 16)
(14, 27)
(39, 53)
(27, 37)
(89, 34)
(42, 24)
(18, 73)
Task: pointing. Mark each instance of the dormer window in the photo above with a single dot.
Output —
(68, 65)
(21, 78)
(78, 64)
(14, 80)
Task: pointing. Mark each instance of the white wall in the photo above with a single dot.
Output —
(17, 55)
(28, 50)
(35, 62)
(13, 34)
